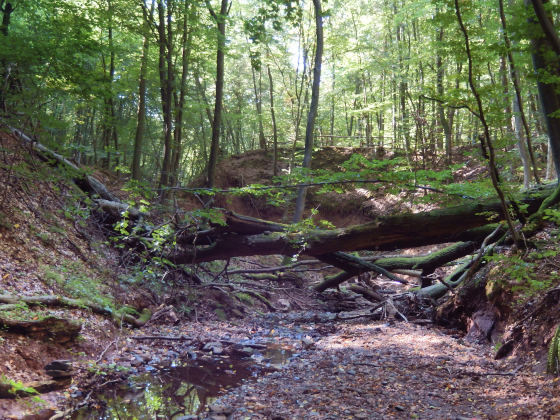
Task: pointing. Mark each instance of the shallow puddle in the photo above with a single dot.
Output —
(186, 387)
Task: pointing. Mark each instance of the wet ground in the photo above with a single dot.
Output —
(186, 386)
(330, 370)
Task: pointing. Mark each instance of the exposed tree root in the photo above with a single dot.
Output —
(51, 327)
(52, 300)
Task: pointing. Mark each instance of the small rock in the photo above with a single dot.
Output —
(219, 409)
(214, 347)
(284, 305)
(308, 342)
(399, 408)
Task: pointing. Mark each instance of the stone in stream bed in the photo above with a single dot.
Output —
(59, 369)
(214, 347)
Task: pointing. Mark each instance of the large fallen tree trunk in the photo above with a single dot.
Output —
(468, 222)
(240, 235)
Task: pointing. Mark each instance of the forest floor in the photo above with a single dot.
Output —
(306, 356)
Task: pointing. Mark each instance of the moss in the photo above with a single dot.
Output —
(554, 354)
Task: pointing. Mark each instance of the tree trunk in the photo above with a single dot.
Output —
(243, 236)
(257, 89)
(274, 127)
(165, 41)
(311, 116)
(543, 47)
(178, 133)
(141, 113)
(220, 20)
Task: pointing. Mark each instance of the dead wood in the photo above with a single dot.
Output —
(86, 183)
(51, 327)
(53, 300)
(242, 236)
(369, 294)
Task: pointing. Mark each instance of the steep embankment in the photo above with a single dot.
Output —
(346, 207)
(50, 245)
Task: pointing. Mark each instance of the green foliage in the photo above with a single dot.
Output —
(519, 275)
(17, 387)
(76, 281)
(22, 312)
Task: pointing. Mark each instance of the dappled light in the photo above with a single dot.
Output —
(279, 209)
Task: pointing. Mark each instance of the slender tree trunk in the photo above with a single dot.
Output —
(313, 108)
(178, 133)
(274, 127)
(141, 112)
(7, 11)
(165, 67)
(258, 104)
(525, 151)
(485, 139)
(220, 20)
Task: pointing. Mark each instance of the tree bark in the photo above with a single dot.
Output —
(544, 65)
(220, 20)
(274, 126)
(178, 127)
(311, 116)
(141, 113)
(243, 236)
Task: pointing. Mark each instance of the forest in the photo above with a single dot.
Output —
(236, 209)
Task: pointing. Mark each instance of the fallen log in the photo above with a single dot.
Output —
(53, 300)
(85, 182)
(468, 222)
(58, 329)
(427, 263)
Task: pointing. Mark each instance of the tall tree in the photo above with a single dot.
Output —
(313, 107)
(220, 21)
(546, 53)
(141, 114)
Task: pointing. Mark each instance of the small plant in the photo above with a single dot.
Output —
(17, 387)
(45, 238)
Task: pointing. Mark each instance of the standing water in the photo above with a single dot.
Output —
(184, 388)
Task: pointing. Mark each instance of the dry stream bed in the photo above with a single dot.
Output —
(307, 366)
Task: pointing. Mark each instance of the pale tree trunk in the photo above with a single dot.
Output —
(313, 108)
(180, 103)
(521, 145)
(258, 104)
(525, 150)
(109, 118)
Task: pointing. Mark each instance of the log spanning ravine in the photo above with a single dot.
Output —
(465, 227)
